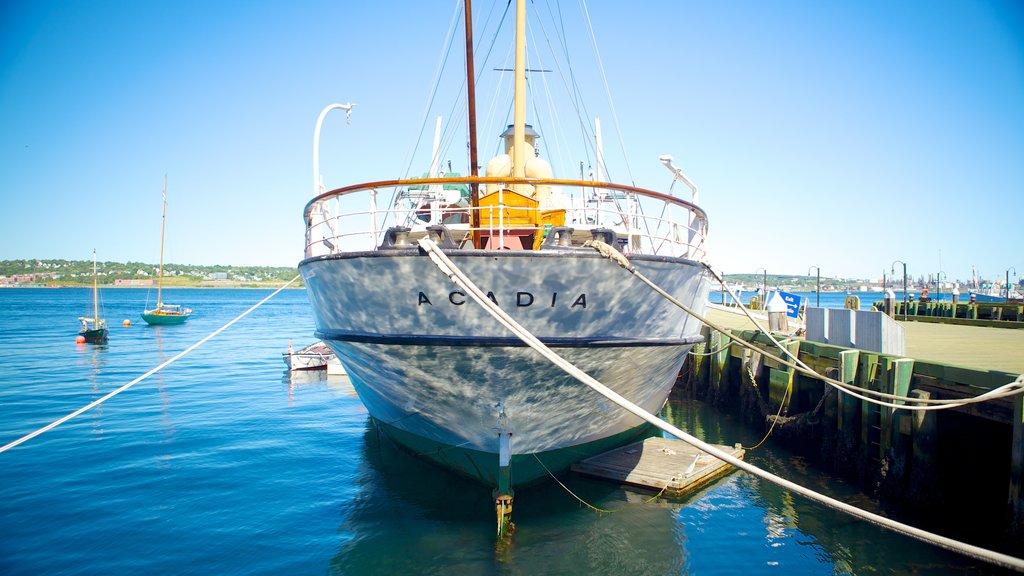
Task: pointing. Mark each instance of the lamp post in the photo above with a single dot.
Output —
(764, 287)
(322, 218)
(893, 271)
(817, 289)
(316, 141)
(1008, 281)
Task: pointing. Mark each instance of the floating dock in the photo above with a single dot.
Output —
(671, 466)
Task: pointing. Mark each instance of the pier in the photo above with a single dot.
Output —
(950, 466)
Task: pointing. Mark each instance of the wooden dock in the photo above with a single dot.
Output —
(663, 464)
(924, 461)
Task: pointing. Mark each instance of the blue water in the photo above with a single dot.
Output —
(223, 464)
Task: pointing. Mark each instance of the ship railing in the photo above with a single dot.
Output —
(394, 214)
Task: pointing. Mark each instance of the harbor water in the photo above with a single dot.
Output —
(223, 463)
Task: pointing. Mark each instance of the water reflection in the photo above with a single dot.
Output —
(404, 515)
(411, 517)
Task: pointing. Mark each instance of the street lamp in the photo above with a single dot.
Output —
(764, 286)
(316, 141)
(321, 218)
(1008, 281)
(893, 271)
(817, 290)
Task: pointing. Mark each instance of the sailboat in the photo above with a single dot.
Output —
(97, 334)
(164, 313)
(442, 377)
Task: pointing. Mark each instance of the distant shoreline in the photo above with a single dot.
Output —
(234, 286)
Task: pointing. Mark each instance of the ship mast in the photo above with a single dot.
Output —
(95, 294)
(160, 272)
(519, 119)
(474, 201)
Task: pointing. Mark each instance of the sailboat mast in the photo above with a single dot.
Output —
(474, 201)
(95, 294)
(163, 223)
(519, 119)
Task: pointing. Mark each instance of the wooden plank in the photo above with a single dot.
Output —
(659, 464)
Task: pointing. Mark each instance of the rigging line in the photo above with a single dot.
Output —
(582, 501)
(572, 89)
(919, 404)
(608, 93)
(482, 71)
(110, 395)
(445, 52)
(457, 276)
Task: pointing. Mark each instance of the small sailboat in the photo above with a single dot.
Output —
(164, 313)
(97, 334)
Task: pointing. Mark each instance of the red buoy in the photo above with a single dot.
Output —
(80, 339)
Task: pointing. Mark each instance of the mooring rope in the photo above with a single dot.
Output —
(713, 352)
(110, 395)
(920, 404)
(449, 269)
(1011, 389)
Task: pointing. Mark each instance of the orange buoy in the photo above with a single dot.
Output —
(127, 322)
(80, 339)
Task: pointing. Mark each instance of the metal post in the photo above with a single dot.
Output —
(764, 287)
(817, 289)
(893, 270)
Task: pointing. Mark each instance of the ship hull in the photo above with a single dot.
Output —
(445, 379)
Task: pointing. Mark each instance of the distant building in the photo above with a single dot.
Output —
(135, 282)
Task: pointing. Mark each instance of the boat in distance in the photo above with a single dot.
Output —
(97, 333)
(440, 375)
(164, 314)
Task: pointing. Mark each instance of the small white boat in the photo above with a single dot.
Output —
(316, 356)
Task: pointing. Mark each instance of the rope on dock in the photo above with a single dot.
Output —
(110, 395)
(449, 269)
(919, 404)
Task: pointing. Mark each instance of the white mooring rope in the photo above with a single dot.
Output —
(110, 395)
(449, 269)
(1006, 390)
(919, 404)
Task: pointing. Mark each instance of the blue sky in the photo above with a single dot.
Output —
(839, 135)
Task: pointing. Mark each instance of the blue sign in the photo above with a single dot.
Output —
(792, 303)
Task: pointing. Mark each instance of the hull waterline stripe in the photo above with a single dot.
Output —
(494, 341)
(448, 268)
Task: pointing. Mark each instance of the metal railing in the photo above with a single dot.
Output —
(352, 218)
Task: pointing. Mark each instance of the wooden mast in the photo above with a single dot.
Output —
(160, 272)
(95, 294)
(519, 119)
(474, 200)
